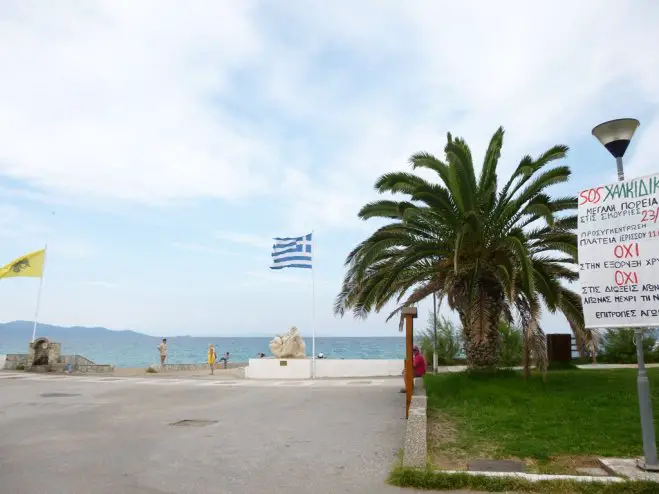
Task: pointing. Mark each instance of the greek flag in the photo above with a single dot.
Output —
(292, 252)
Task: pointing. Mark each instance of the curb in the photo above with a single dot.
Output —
(415, 451)
(533, 477)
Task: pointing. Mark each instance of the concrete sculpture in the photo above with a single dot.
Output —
(290, 345)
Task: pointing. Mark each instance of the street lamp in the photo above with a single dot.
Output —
(615, 136)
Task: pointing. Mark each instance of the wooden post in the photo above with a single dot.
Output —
(409, 313)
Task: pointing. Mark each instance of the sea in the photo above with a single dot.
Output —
(142, 351)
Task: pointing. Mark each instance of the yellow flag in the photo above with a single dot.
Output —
(30, 265)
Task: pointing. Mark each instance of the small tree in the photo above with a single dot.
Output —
(620, 346)
(448, 343)
(512, 345)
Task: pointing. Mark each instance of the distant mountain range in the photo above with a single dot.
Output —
(16, 334)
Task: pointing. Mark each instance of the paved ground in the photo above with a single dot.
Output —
(201, 380)
(83, 435)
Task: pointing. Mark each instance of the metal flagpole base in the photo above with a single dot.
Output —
(640, 464)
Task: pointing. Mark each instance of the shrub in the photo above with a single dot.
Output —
(447, 344)
(620, 346)
(20, 367)
(512, 345)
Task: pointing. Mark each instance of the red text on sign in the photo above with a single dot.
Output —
(626, 250)
(626, 278)
(649, 215)
(592, 196)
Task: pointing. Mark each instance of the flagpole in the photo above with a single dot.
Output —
(313, 305)
(36, 312)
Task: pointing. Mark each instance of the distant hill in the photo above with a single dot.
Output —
(15, 335)
(25, 327)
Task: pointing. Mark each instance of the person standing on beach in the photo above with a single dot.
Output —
(162, 348)
(211, 357)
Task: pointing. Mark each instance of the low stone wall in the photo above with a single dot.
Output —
(78, 363)
(76, 360)
(415, 450)
(94, 369)
(195, 367)
(14, 360)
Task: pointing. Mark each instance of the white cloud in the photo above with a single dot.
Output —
(70, 248)
(103, 284)
(271, 277)
(206, 249)
(291, 276)
(546, 72)
(125, 104)
(17, 223)
(245, 239)
(115, 99)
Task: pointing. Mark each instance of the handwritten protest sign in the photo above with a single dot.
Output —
(619, 253)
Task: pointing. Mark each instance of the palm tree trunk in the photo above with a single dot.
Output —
(481, 335)
(527, 353)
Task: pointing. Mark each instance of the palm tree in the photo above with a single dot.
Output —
(492, 252)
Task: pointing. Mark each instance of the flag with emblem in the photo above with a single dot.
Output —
(28, 266)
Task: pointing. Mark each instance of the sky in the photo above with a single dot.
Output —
(158, 146)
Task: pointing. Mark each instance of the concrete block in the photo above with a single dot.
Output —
(626, 467)
(415, 450)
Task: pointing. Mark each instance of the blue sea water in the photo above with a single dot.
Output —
(141, 350)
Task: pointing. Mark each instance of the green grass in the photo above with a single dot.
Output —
(427, 479)
(574, 414)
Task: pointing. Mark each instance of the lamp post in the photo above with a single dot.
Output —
(615, 136)
(435, 363)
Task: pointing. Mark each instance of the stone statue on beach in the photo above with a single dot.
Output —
(290, 345)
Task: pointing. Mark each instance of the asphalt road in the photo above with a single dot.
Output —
(78, 437)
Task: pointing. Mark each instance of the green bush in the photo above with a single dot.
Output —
(447, 344)
(20, 367)
(512, 345)
(620, 346)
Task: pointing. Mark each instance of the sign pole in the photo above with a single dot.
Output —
(617, 238)
(409, 313)
(36, 311)
(643, 384)
(645, 404)
(435, 363)
(313, 305)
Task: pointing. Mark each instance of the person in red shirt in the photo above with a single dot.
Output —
(418, 364)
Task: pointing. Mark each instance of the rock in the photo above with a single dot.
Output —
(153, 369)
(290, 345)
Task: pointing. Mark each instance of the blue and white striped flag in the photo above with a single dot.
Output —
(292, 252)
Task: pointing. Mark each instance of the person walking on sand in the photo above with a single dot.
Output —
(211, 357)
(162, 348)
